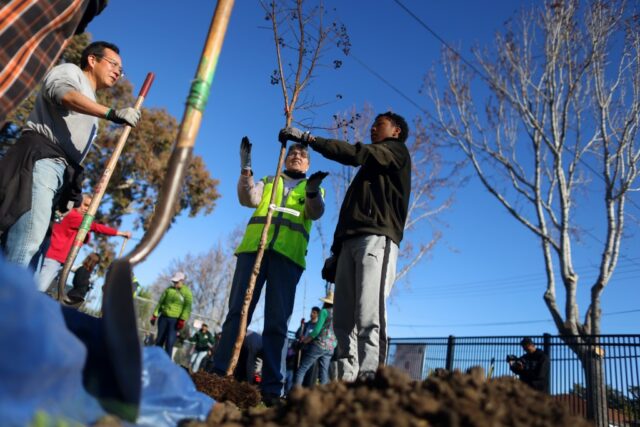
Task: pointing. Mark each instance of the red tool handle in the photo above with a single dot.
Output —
(147, 84)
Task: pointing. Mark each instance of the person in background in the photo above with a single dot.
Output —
(306, 327)
(82, 279)
(62, 236)
(321, 342)
(532, 367)
(204, 342)
(301, 348)
(172, 311)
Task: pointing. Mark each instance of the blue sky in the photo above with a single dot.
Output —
(486, 275)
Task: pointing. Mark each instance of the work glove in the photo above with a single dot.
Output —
(124, 116)
(179, 324)
(314, 181)
(294, 134)
(153, 320)
(245, 154)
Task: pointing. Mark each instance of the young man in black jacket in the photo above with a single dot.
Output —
(370, 228)
(532, 367)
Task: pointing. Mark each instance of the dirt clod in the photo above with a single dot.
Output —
(392, 399)
(227, 389)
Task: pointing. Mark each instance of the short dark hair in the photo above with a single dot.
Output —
(96, 49)
(204, 325)
(526, 341)
(316, 309)
(399, 121)
(91, 261)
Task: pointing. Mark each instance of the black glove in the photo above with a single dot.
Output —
(294, 134)
(124, 116)
(314, 181)
(329, 269)
(245, 154)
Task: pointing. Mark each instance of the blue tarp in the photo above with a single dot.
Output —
(41, 365)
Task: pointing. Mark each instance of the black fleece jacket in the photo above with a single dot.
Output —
(377, 200)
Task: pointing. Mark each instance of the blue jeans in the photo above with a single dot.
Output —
(167, 333)
(196, 359)
(48, 272)
(314, 352)
(25, 236)
(281, 276)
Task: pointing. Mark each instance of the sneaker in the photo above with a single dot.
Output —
(366, 376)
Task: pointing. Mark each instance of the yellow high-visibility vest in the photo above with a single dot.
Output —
(288, 234)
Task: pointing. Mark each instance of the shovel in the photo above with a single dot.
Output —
(113, 371)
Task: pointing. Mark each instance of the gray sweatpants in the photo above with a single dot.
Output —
(360, 318)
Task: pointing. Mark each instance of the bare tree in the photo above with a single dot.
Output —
(561, 117)
(431, 178)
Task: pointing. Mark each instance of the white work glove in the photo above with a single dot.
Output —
(124, 116)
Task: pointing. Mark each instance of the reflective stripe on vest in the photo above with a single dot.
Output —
(281, 221)
(288, 234)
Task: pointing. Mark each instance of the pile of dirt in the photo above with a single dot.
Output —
(392, 399)
(227, 389)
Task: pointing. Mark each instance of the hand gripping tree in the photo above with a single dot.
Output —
(309, 40)
(562, 117)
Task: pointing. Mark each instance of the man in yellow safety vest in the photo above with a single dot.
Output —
(299, 200)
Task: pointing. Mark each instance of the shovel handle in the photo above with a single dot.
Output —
(146, 85)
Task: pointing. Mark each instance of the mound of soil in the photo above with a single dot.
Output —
(227, 389)
(392, 399)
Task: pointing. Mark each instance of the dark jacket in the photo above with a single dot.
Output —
(16, 177)
(377, 200)
(81, 284)
(533, 369)
(203, 341)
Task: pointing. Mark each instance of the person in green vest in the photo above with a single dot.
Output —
(172, 312)
(299, 201)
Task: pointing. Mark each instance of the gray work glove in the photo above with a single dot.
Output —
(245, 154)
(314, 181)
(294, 134)
(124, 116)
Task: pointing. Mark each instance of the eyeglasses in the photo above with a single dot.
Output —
(113, 63)
(297, 153)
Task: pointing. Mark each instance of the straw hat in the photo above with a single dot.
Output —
(329, 298)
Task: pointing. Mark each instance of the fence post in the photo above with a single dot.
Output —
(546, 348)
(450, 349)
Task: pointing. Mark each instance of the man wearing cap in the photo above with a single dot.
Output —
(532, 367)
(298, 201)
(321, 343)
(172, 311)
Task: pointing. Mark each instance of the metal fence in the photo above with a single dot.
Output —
(620, 356)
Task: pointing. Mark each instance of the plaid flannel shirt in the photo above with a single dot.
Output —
(33, 33)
